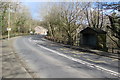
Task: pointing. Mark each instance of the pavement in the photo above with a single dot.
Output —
(11, 65)
(51, 60)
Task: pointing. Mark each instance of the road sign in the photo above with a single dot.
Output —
(8, 29)
(31, 32)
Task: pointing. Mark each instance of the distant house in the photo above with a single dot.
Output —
(40, 30)
(93, 37)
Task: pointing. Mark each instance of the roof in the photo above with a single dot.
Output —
(93, 30)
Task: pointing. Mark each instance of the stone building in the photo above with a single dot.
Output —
(93, 37)
(40, 30)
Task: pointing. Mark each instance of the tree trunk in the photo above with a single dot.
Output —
(70, 40)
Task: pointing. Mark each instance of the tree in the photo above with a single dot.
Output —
(114, 19)
(3, 16)
(115, 27)
(19, 17)
(112, 6)
(94, 14)
(64, 20)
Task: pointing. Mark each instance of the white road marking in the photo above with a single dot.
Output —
(82, 62)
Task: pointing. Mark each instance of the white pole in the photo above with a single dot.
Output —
(9, 22)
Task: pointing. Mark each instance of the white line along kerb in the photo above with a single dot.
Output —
(83, 62)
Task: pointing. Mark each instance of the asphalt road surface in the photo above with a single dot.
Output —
(51, 60)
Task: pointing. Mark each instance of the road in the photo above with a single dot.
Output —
(51, 60)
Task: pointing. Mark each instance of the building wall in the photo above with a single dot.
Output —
(40, 30)
(102, 41)
(89, 40)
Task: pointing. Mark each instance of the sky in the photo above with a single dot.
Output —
(37, 6)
